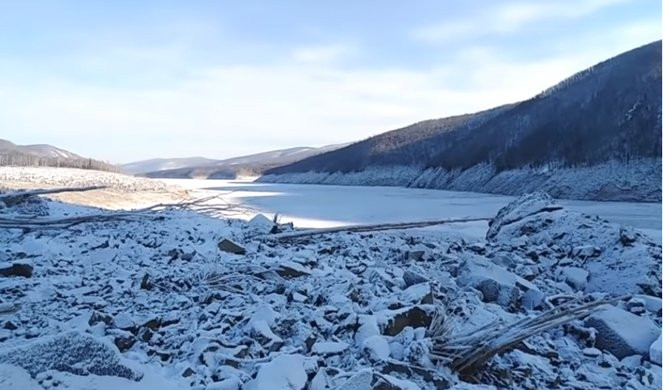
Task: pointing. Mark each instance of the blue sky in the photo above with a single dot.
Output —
(129, 80)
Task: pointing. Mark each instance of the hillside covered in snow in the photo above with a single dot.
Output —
(46, 156)
(596, 135)
(174, 298)
(200, 167)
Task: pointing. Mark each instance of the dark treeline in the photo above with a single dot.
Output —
(30, 160)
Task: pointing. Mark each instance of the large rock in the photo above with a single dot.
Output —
(359, 381)
(262, 225)
(655, 351)
(16, 269)
(74, 352)
(575, 277)
(498, 285)
(285, 372)
(228, 246)
(414, 317)
(622, 333)
(525, 206)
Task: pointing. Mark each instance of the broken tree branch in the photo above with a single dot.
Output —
(467, 353)
(370, 228)
(197, 205)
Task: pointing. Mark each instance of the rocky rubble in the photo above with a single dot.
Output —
(337, 311)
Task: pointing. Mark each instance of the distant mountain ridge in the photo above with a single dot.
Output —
(201, 167)
(607, 114)
(161, 164)
(46, 155)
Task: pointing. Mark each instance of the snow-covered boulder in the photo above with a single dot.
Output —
(261, 224)
(326, 348)
(574, 240)
(525, 206)
(14, 377)
(498, 285)
(376, 348)
(655, 351)
(74, 352)
(575, 277)
(285, 372)
(622, 333)
(360, 381)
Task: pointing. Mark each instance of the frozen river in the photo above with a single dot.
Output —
(324, 206)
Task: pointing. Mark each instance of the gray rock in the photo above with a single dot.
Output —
(627, 236)
(262, 225)
(125, 342)
(414, 317)
(526, 205)
(586, 251)
(655, 351)
(74, 352)
(360, 381)
(497, 284)
(16, 269)
(622, 333)
(7, 307)
(411, 278)
(416, 255)
(636, 306)
(591, 352)
(290, 270)
(228, 246)
(575, 277)
(125, 322)
(652, 304)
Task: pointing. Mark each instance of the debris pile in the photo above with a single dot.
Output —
(216, 303)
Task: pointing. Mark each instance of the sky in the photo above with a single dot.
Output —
(130, 80)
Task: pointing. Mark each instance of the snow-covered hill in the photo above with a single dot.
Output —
(253, 164)
(40, 150)
(160, 164)
(166, 293)
(46, 156)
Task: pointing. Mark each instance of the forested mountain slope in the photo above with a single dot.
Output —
(601, 122)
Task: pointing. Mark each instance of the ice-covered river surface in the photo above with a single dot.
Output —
(308, 205)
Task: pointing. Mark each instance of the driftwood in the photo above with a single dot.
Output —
(13, 198)
(467, 353)
(198, 205)
(370, 228)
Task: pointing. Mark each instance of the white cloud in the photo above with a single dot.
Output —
(174, 106)
(230, 110)
(509, 17)
(321, 54)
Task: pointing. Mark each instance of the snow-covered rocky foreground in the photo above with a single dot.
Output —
(176, 299)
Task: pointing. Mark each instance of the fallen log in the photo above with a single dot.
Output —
(13, 198)
(370, 228)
